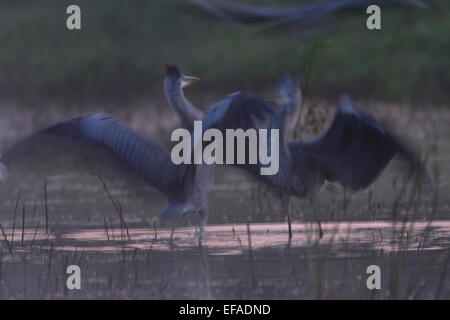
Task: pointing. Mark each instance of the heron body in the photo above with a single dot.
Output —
(202, 183)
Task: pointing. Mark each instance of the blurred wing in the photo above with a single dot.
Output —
(238, 111)
(239, 13)
(353, 151)
(300, 16)
(100, 133)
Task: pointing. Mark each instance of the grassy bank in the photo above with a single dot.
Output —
(123, 45)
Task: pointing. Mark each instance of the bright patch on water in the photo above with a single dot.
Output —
(234, 239)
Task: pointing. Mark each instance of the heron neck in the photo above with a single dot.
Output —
(279, 121)
(187, 112)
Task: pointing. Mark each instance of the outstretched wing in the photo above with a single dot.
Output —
(238, 111)
(104, 133)
(354, 150)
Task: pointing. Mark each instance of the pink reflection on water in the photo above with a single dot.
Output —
(28, 235)
(233, 239)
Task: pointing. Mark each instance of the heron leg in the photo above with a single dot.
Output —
(171, 243)
(259, 196)
(313, 201)
(286, 200)
(204, 213)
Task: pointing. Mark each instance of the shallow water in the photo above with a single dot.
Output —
(233, 261)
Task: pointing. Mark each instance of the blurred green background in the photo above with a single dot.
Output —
(123, 46)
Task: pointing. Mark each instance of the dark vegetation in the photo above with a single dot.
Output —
(123, 45)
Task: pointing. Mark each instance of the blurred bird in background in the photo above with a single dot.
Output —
(297, 19)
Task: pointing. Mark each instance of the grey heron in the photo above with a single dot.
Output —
(186, 186)
(353, 151)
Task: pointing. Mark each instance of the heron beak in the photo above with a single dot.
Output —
(190, 79)
(187, 80)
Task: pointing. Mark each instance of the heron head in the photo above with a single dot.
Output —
(174, 75)
(290, 95)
